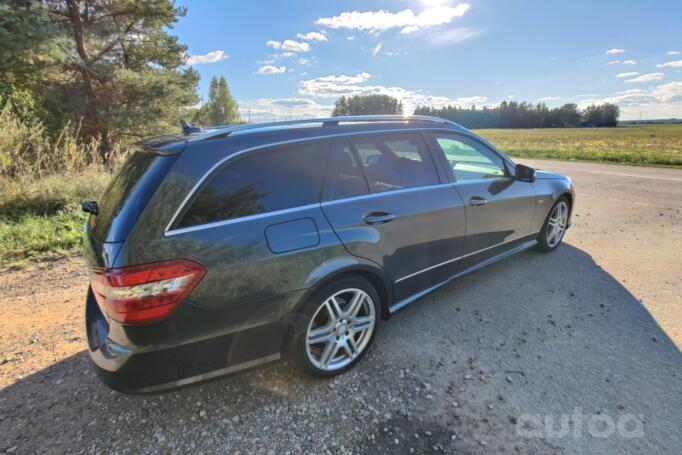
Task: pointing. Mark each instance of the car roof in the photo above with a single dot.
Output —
(262, 134)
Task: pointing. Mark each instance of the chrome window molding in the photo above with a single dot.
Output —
(225, 161)
(239, 219)
(463, 256)
(168, 230)
(383, 193)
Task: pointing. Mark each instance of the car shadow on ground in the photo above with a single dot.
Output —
(536, 334)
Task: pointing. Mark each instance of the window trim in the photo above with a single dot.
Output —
(172, 227)
(507, 163)
(169, 229)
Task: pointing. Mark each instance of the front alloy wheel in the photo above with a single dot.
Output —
(555, 226)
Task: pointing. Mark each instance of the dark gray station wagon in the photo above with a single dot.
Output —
(225, 248)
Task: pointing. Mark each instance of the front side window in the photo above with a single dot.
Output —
(263, 182)
(468, 159)
(395, 162)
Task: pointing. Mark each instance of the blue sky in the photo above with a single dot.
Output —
(292, 59)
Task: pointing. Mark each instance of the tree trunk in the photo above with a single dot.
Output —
(89, 77)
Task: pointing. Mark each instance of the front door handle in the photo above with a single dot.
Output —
(476, 201)
(378, 217)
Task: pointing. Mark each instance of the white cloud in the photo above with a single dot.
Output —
(616, 51)
(270, 69)
(336, 86)
(672, 91)
(673, 64)
(210, 57)
(550, 98)
(674, 53)
(628, 74)
(267, 109)
(662, 101)
(613, 62)
(630, 62)
(376, 49)
(647, 77)
(313, 36)
(453, 36)
(289, 45)
(406, 20)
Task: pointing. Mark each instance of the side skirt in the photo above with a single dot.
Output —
(524, 246)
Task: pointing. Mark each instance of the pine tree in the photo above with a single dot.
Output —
(221, 108)
(112, 64)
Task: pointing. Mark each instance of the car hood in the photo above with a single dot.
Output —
(539, 174)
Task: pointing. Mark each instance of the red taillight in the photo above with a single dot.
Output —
(145, 293)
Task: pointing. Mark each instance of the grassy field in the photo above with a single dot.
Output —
(41, 217)
(642, 145)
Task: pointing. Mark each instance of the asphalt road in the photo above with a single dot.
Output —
(577, 351)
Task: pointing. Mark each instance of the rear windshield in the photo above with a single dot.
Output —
(128, 194)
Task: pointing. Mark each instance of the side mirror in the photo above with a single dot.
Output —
(524, 173)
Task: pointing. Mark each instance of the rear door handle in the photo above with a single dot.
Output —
(476, 201)
(378, 217)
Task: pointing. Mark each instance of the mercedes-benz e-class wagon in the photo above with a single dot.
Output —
(226, 248)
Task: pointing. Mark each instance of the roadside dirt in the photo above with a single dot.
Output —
(585, 339)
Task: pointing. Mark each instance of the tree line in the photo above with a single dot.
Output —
(526, 115)
(113, 68)
(505, 115)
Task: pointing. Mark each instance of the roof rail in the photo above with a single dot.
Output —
(226, 130)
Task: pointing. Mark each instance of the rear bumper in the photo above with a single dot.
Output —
(154, 367)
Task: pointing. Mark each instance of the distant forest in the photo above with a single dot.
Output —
(526, 115)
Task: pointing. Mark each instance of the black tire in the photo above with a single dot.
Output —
(297, 350)
(544, 243)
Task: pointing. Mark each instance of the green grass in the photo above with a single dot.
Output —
(643, 145)
(41, 218)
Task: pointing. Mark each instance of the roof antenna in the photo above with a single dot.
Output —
(188, 128)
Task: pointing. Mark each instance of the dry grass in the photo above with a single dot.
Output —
(649, 145)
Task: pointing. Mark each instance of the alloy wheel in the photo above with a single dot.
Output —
(556, 225)
(340, 329)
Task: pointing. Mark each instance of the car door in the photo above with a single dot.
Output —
(499, 208)
(387, 203)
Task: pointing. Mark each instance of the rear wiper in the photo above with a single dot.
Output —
(90, 207)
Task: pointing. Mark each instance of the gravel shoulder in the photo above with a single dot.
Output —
(500, 361)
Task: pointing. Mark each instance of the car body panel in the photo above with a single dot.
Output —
(428, 228)
(506, 215)
(261, 269)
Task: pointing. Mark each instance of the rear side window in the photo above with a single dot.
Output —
(395, 162)
(264, 182)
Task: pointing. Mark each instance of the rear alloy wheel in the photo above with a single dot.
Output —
(555, 226)
(339, 327)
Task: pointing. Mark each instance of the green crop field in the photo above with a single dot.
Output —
(643, 145)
